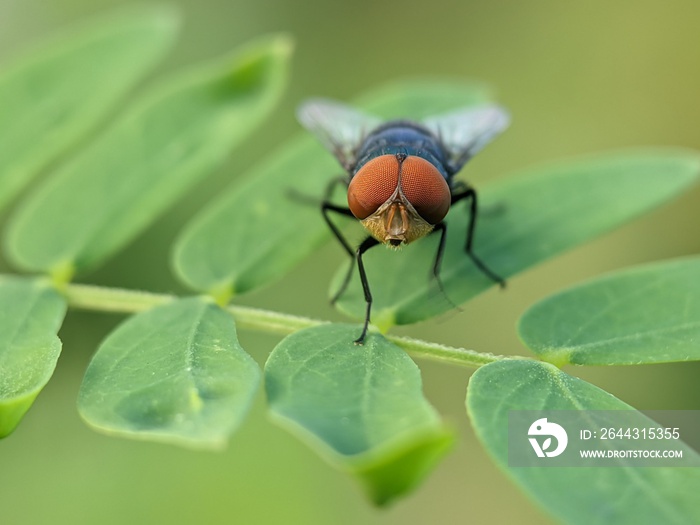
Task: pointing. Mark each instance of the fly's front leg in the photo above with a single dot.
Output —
(465, 192)
(326, 207)
(368, 243)
(440, 228)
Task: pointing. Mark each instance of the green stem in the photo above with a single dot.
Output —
(444, 353)
(89, 297)
(118, 300)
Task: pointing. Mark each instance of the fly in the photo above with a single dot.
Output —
(400, 177)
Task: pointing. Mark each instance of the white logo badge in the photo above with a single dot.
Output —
(542, 427)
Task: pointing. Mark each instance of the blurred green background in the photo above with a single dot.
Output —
(577, 77)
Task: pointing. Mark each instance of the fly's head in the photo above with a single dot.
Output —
(399, 198)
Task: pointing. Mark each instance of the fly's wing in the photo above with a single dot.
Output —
(340, 128)
(466, 131)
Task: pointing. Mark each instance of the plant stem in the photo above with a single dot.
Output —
(89, 297)
(444, 353)
(118, 300)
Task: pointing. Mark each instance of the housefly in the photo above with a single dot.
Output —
(400, 176)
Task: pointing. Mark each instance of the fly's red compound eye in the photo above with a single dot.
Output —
(425, 188)
(373, 185)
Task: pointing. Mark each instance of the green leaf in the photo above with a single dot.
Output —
(31, 312)
(586, 495)
(256, 231)
(54, 94)
(361, 407)
(524, 220)
(174, 374)
(172, 137)
(649, 314)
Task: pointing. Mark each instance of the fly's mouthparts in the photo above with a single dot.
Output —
(396, 221)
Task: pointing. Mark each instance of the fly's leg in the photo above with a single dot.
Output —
(356, 255)
(326, 207)
(466, 192)
(441, 227)
(368, 243)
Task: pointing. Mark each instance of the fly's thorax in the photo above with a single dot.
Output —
(399, 198)
(406, 137)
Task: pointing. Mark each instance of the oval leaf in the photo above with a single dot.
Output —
(31, 312)
(524, 220)
(174, 374)
(586, 495)
(362, 407)
(52, 96)
(649, 314)
(171, 138)
(258, 231)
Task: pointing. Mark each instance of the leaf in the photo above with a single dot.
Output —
(174, 374)
(53, 95)
(170, 139)
(31, 312)
(649, 314)
(361, 407)
(525, 219)
(257, 231)
(586, 495)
